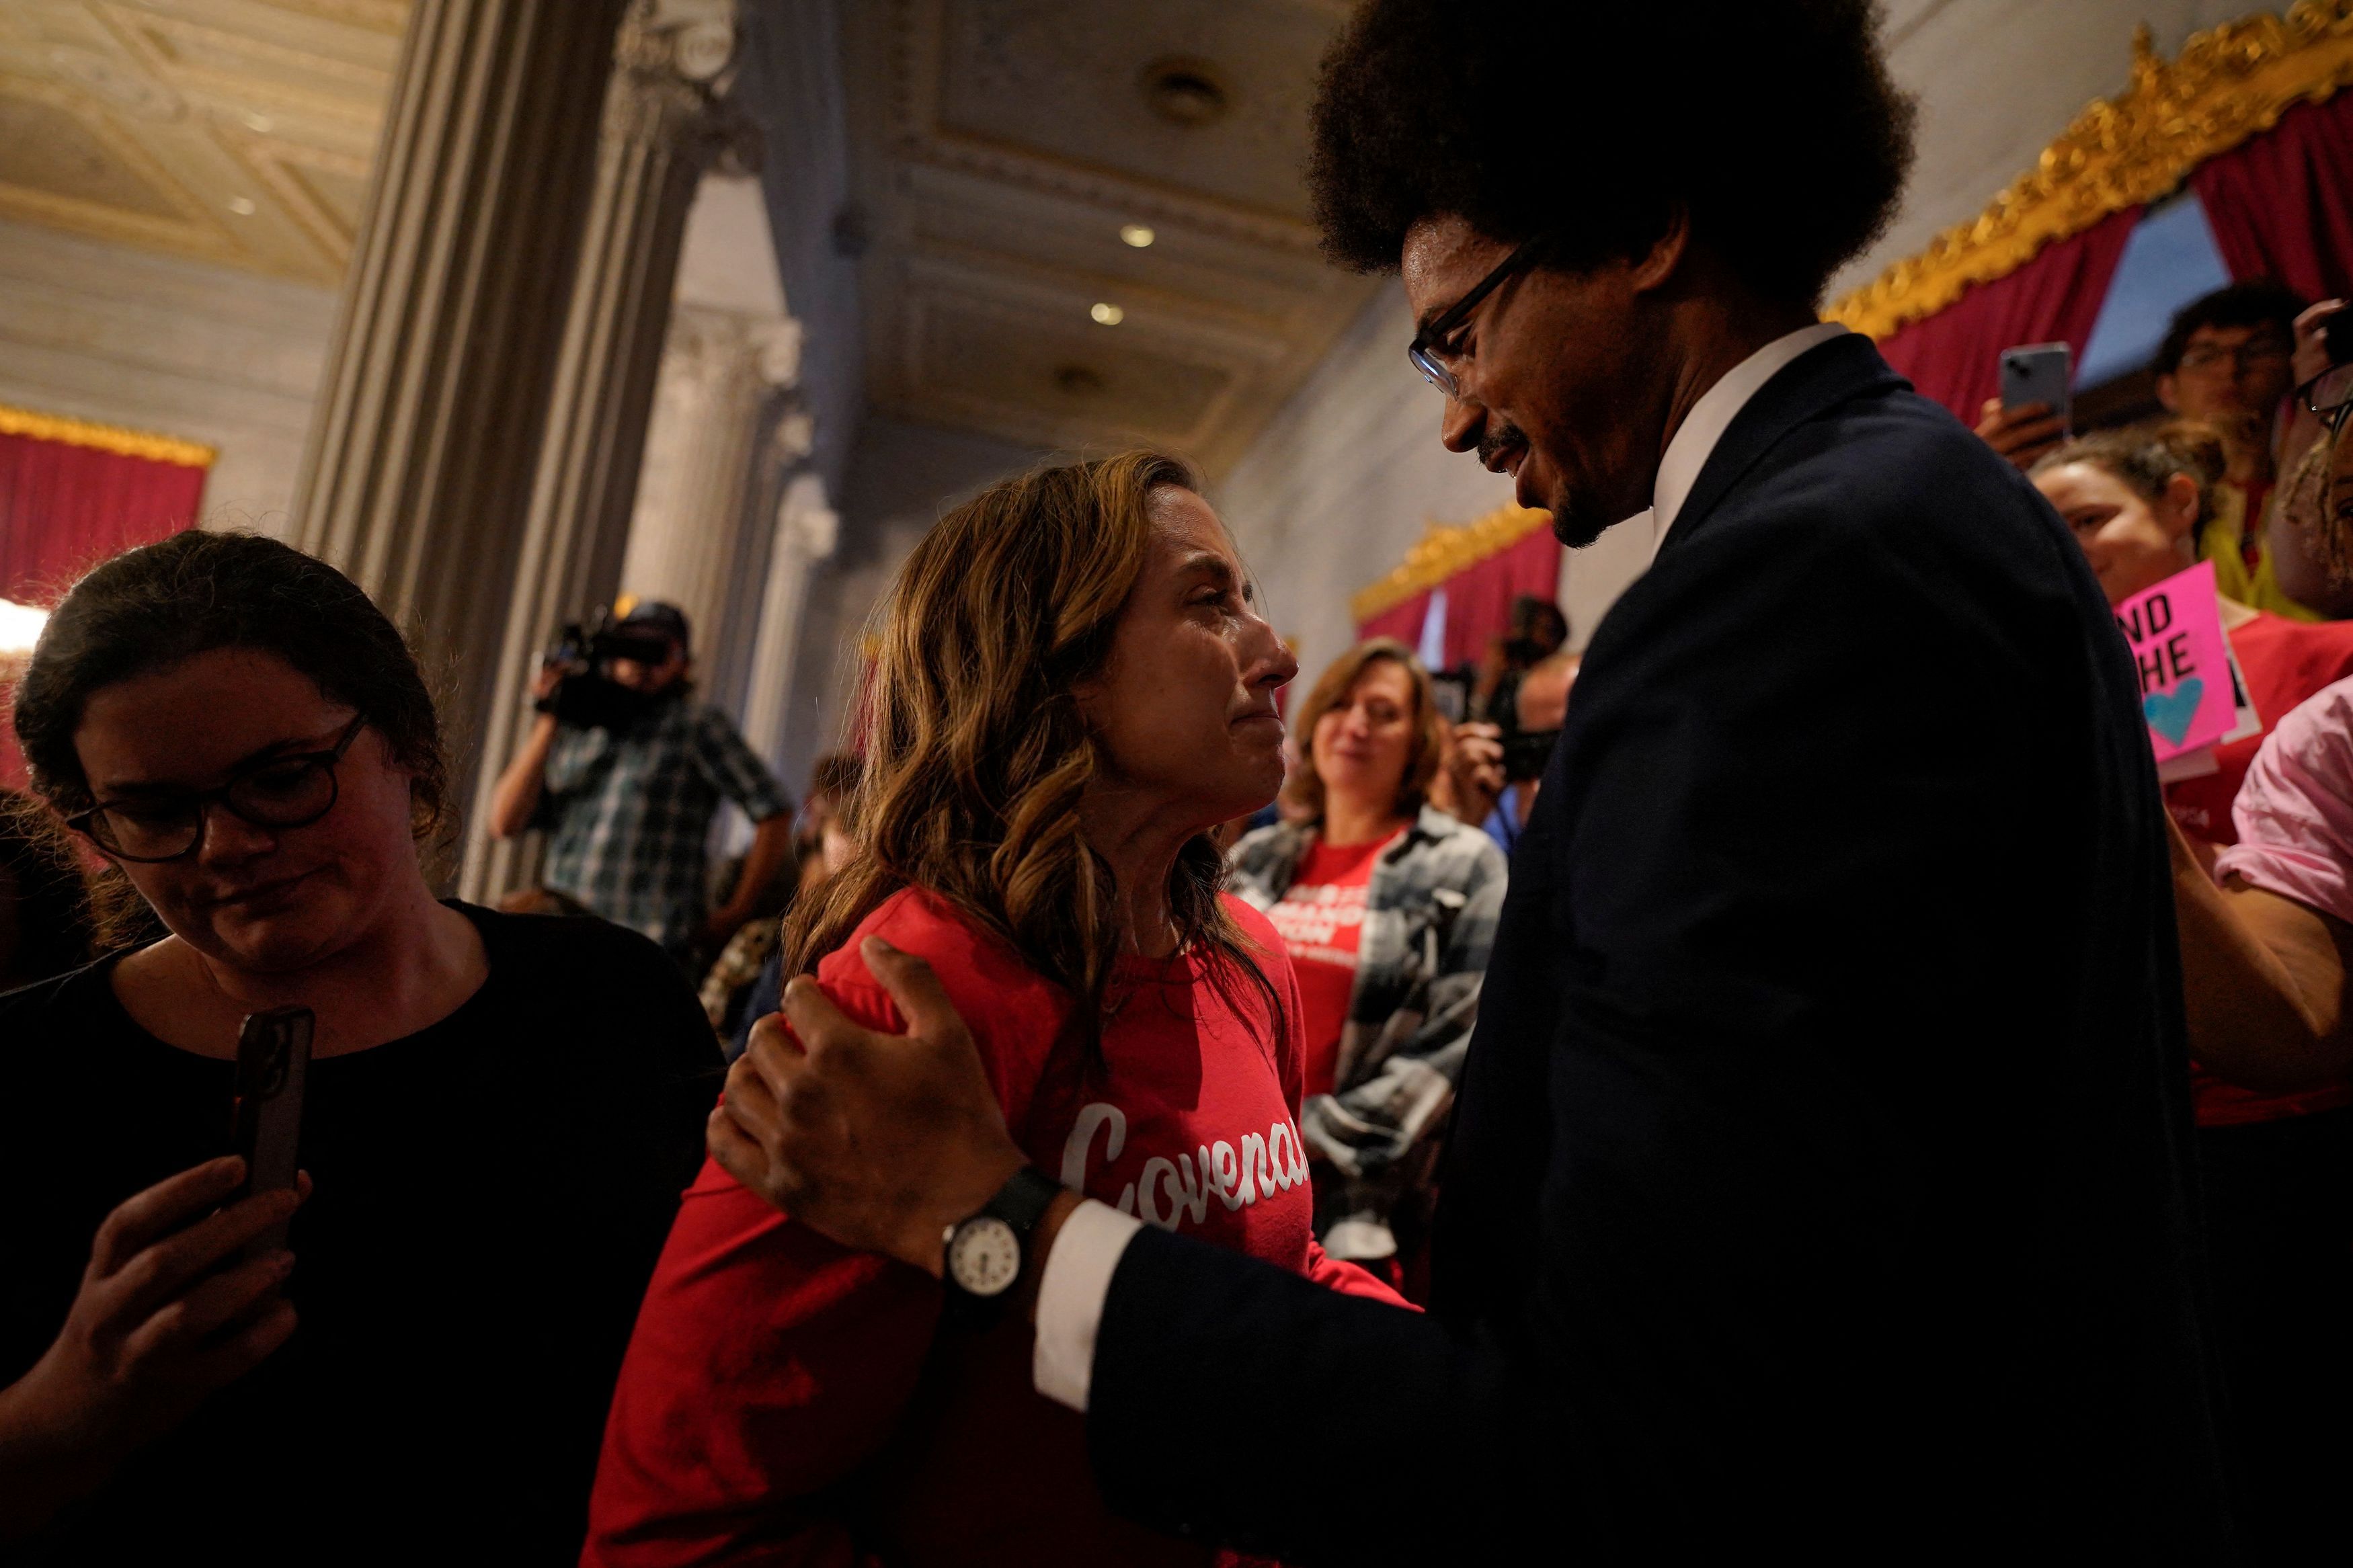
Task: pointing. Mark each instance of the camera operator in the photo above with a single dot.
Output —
(625, 771)
(1489, 772)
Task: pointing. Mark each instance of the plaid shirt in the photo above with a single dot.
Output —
(629, 814)
(1429, 924)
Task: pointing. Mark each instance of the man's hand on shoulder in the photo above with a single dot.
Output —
(880, 1141)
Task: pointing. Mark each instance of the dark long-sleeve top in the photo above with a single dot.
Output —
(489, 1197)
(1821, 1174)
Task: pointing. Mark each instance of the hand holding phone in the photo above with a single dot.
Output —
(2029, 418)
(173, 1307)
(2038, 373)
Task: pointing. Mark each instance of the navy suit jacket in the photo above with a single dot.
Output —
(1821, 1173)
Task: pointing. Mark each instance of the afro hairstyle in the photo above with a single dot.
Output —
(1774, 123)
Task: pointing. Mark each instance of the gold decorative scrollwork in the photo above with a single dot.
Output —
(1444, 550)
(2228, 84)
(105, 438)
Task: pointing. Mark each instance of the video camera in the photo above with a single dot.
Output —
(585, 696)
(1526, 752)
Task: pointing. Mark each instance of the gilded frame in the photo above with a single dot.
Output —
(2228, 84)
(112, 438)
(1442, 550)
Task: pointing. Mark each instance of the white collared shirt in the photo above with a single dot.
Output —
(1086, 1252)
(1694, 442)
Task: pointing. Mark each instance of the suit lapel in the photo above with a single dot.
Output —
(1822, 377)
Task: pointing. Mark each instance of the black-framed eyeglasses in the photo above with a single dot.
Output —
(292, 791)
(1428, 351)
(2329, 393)
(2238, 356)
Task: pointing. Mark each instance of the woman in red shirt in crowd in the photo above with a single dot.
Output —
(2136, 499)
(1388, 906)
(2271, 1162)
(1072, 690)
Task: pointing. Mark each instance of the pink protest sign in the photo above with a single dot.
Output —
(2175, 632)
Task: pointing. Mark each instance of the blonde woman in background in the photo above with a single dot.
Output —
(1388, 906)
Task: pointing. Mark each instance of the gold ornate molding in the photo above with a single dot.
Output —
(105, 438)
(2228, 83)
(1444, 550)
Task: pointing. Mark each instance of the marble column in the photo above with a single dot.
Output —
(420, 460)
(805, 531)
(662, 126)
(721, 371)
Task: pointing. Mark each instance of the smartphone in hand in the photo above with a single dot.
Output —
(2038, 372)
(273, 1055)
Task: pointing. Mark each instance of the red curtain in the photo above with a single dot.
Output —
(1953, 356)
(2281, 204)
(1401, 621)
(65, 507)
(1479, 597)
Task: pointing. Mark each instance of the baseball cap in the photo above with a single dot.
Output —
(655, 615)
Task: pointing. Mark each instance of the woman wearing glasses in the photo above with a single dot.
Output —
(238, 727)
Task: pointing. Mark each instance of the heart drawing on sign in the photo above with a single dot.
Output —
(2170, 713)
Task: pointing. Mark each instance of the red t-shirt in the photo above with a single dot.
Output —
(788, 1401)
(2284, 662)
(1321, 918)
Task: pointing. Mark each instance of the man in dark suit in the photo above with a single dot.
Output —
(1819, 1178)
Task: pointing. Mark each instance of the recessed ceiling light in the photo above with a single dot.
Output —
(260, 122)
(1106, 314)
(241, 206)
(1185, 91)
(1137, 234)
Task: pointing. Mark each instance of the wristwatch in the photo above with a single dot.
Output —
(981, 1256)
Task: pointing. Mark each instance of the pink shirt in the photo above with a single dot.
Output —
(2295, 817)
(2295, 812)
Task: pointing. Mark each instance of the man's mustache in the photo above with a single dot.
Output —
(1499, 439)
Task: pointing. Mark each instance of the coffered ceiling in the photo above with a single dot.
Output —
(238, 132)
(1002, 149)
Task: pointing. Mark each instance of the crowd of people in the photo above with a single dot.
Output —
(1710, 1092)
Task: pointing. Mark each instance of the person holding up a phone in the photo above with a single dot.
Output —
(2229, 360)
(419, 1371)
(167, 1315)
(2033, 413)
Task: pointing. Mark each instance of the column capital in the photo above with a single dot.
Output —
(667, 58)
(805, 520)
(710, 348)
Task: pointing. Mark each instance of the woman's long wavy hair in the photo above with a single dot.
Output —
(977, 753)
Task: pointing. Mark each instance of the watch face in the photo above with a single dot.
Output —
(984, 1257)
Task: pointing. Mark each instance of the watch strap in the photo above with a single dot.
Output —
(1023, 1201)
(1020, 1204)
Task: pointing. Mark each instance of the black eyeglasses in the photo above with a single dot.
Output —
(292, 791)
(1428, 351)
(2329, 393)
(2238, 356)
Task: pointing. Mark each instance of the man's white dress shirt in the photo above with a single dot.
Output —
(1087, 1251)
